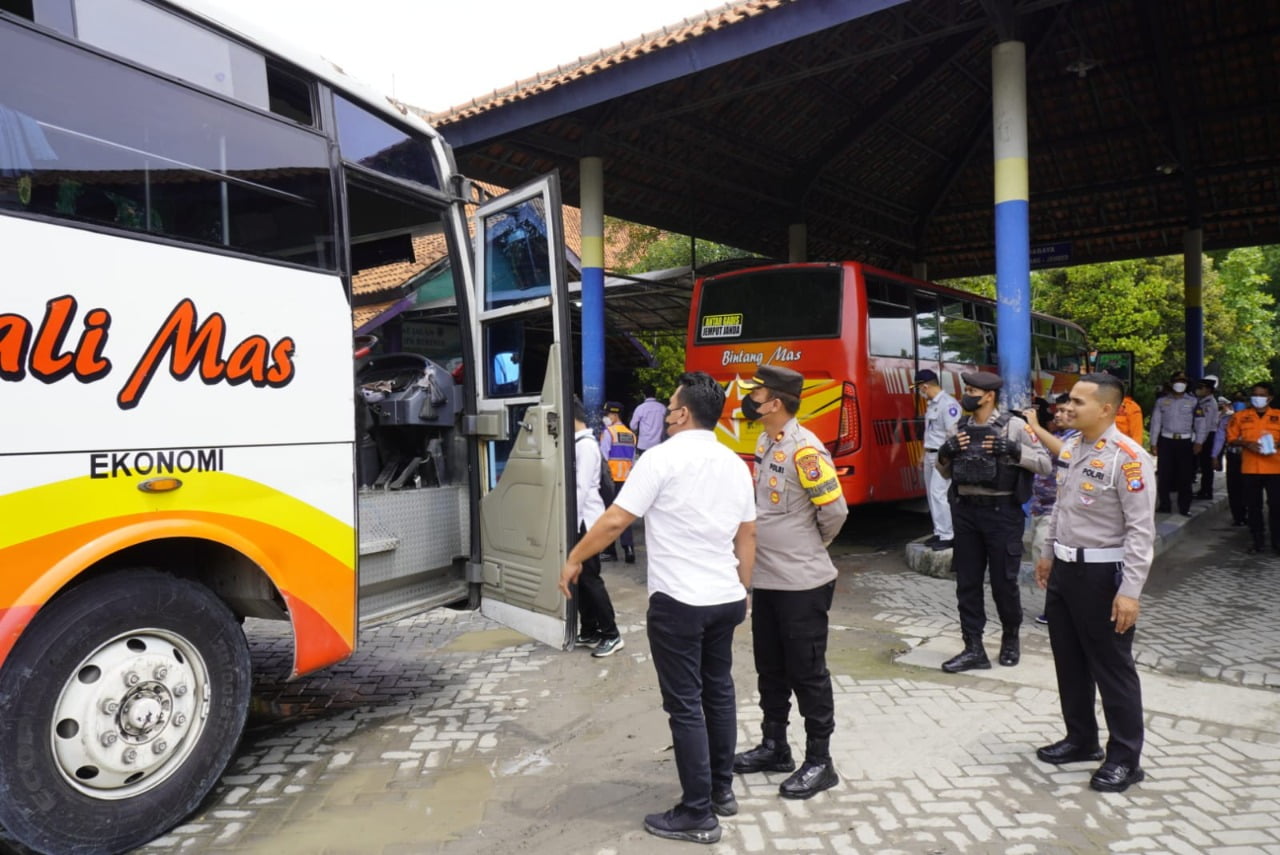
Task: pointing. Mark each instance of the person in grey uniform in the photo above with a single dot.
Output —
(940, 417)
(799, 511)
(1204, 429)
(1095, 562)
(990, 461)
(1172, 429)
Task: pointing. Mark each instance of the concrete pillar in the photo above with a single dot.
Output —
(1193, 299)
(797, 243)
(1013, 243)
(591, 199)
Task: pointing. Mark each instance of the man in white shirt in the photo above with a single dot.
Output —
(699, 507)
(597, 626)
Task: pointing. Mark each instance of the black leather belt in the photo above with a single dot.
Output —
(931, 451)
(985, 500)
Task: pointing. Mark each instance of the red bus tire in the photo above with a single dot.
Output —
(105, 742)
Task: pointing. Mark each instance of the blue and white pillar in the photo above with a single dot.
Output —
(591, 199)
(1013, 242)
(1193, 299)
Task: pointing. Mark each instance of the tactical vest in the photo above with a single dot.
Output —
(979, 468)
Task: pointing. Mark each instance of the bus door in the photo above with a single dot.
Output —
(524, 414)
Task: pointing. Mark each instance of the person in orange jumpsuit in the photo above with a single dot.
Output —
(1256, 432)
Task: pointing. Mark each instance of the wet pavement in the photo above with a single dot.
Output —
(448, 734)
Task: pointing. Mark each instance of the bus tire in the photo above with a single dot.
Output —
(122, 704)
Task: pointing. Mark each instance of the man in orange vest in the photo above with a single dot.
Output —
(1129, 416)
(1256, 432)
(618, 445)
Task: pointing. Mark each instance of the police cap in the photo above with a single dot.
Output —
(613, 407)
(984, 380)
(1203, 383)
(926, 375)
(778, 379)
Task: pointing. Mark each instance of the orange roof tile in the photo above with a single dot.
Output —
(689, 28)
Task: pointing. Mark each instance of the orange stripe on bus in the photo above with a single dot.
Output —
(316, 580)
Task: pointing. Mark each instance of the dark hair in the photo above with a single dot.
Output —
(579, 410)
(649, 390)
(1113, 386)
(1266, 386)
(704, 397)
(790, 403)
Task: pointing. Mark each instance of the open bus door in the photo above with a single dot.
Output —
(524, 389)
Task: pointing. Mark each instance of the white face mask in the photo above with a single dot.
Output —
(1259, 402)
(1179, 388)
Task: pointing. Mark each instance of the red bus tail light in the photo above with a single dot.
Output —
(849, 439)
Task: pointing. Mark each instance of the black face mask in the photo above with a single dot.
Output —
(751, 409)
(970, 403)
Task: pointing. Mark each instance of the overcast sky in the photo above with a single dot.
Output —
(439, 53)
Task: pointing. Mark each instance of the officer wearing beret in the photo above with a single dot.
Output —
(990, 461)
(1094, 565)
(941, 415)
(799, 510)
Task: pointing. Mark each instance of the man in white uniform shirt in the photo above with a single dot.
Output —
(698, 502)
(941, 415)
(597, 625)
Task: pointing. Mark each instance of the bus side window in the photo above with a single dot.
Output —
(928, 336)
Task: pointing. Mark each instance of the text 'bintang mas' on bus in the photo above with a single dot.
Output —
(858, 335)
(187, 206)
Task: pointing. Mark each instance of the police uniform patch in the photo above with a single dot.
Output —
(773, 480)
(779, 456)
(1035, 440)
(1133, 476)
(1099, 445)
(1086, 487)
(817, 476)
(1065, 455)
(1097, 464)
(774, 497)
(1087, 499)
(953, 411)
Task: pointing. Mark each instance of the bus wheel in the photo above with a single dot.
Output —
(123, 702)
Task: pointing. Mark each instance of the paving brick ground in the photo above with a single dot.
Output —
(448, 734)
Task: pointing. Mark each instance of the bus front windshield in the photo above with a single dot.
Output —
(770, 305)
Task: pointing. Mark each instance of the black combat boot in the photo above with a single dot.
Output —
(1010, 650)
(629, 554)
(773, 754)
(974, 655)
(816, 774)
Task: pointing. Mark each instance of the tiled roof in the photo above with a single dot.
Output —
(690, 28)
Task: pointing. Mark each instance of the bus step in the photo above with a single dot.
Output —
(379, 544)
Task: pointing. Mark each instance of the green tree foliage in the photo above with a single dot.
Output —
(648, 248)
(668, 355)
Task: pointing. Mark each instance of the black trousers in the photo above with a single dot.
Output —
(692, 649)
(1235, 487)
(1254, 488)
(789, 640)
(988, 539)
(1204, 462)
(1175, 472)
(595, 609)
(1091, 658)
(627, 539)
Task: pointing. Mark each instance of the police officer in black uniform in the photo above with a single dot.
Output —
(990, 461)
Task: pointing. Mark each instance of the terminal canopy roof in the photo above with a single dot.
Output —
(870, 122)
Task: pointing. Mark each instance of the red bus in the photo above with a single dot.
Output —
(858, 334)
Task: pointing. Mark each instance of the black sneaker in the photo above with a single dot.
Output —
(608, 647)
(588, 639)
(1042, 619)
(724, 804)
(677, 824)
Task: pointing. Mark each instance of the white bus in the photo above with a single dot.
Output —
(189, 435)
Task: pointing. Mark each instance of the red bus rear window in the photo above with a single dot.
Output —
(770, 305)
